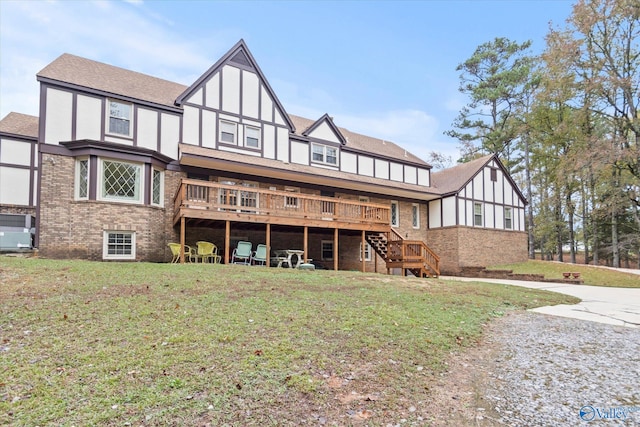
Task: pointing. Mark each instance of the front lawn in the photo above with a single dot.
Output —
(90, 343)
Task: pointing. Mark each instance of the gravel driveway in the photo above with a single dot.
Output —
(538, 370)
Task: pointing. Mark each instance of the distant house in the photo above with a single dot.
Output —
(118, 164)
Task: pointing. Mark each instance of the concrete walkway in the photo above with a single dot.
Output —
(614, 306)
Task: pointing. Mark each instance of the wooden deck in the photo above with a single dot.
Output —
(221, 202)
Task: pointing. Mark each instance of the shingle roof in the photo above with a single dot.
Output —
(20, 124)
(364, 143)
(91, 74)
(452, 179)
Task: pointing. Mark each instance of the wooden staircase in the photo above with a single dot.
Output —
(412, 255)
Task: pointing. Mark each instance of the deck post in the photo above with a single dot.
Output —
(335, 249)
(306, 243)
(182, 229)
(364, 268)
(227, 239)
(268, 243)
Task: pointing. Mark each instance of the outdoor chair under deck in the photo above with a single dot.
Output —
(259, 255)
(189, 253)
(208, 252)
(242, 253)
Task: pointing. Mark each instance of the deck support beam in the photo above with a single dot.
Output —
(362, 248)
(227, 240)
(335, 249)
(305, 244)
(268, 243)
(182, 239)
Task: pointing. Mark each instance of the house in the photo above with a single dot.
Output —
(118, 164)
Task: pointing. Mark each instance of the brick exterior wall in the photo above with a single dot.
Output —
(15, 209)
(460, 247)
(75, 228)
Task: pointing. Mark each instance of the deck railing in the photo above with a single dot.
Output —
(217, 197)
(411, 251)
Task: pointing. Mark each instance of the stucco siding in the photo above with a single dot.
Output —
(89, 118)
(58, 116)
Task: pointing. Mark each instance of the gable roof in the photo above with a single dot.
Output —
(453, 179)
(365, 144)
(20, 124)
(329, 120)
(239, 56)
(107, 78)
(96, 76)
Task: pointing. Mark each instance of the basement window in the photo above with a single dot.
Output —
(119, 245)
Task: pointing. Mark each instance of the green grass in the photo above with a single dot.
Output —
(86, 343)
(591, 275)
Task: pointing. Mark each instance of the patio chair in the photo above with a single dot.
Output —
(189, 253)
(208, 252)
(242, 253)
(259, 255)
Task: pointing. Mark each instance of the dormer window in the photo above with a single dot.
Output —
(228, 132)
(324, 154)
(251, 137)
(119, 118)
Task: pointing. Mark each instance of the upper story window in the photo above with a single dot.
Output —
(477, 215)
(228, 132)
(324, 154)
(251, 137)
(119, 118)
(120, 181)
(507, 218)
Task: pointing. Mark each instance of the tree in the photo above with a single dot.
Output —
(494, 78)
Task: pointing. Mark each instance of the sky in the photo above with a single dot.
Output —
(386, 69)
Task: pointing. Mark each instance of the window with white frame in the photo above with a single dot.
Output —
(291, 201)
(367, 252)
(157, 186)
(507, 218)
(120, 118)
(120, 181)
(119, 245)
(326, 250)
(324, 154)
(477, 214)
(228, 132)
(395, 215)
(415, 215)
(251, 137)
(82, 179)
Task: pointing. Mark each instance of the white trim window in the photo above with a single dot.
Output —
(395, 214)
(251, 137)
(508, 223)
(326, 250)
(324, 154)
(477, 214)
(291, 201)
(367, 252)
(82, 179)
(415, 215)
(157, 187)
(120, 118)
(228, 132)
(120, 181)
(119, 245)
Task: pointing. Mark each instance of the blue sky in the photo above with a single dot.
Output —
(381, 68)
